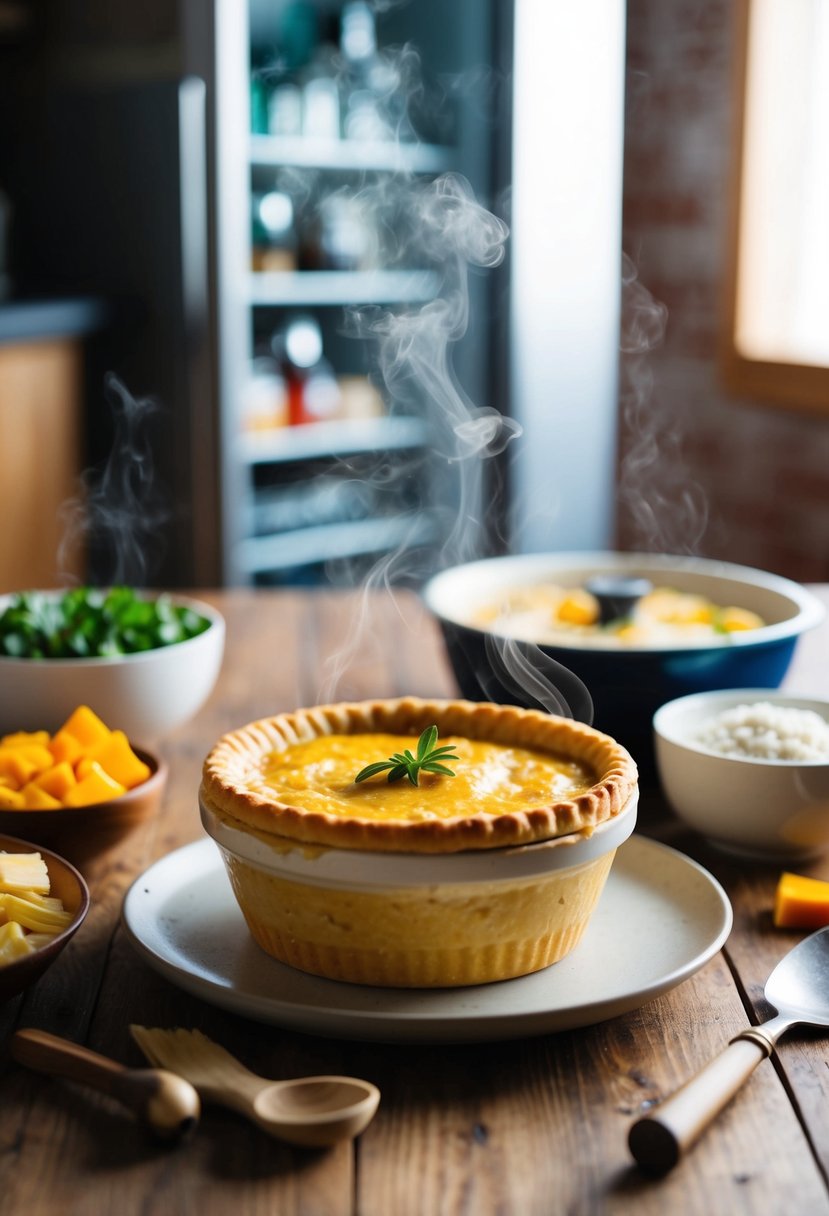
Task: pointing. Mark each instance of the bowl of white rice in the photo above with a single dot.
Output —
(749, 769)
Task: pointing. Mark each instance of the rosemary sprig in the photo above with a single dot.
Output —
(429, 759)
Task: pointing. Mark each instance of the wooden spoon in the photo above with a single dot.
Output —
(310, 1111)
(169, 1104)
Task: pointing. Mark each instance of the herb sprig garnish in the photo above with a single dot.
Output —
(429, 759)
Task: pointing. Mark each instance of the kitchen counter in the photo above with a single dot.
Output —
(525, 1127)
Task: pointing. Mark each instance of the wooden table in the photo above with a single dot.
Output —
(528, 1127)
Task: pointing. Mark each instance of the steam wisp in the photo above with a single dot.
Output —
(661, 522)
(118, 513)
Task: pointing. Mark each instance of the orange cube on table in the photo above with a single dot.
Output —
(801, 903)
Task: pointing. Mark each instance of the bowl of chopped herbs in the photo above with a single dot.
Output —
(146, 660)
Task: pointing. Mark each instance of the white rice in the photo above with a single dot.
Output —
(764, 731)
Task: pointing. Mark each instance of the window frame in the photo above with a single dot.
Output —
(790, 385)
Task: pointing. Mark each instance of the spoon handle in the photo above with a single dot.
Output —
(658, 1140)
(62, 1058)
(168, 1103)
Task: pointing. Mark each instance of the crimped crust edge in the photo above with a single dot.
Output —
(236, 752)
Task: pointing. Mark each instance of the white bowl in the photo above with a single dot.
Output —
(772, 810)
(418, 920)
(146, 694)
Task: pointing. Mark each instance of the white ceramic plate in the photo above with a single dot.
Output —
(660, 918)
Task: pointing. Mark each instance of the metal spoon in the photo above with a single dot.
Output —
(798, 989)
(169, 1104)
(310, 1111)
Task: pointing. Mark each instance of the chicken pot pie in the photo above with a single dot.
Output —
(464, 853)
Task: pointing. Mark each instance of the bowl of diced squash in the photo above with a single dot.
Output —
(43, 902)
(78, 789)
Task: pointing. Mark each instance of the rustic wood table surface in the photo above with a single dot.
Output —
(524, 1127)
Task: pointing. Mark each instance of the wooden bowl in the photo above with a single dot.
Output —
(81, 832)
(68, 885)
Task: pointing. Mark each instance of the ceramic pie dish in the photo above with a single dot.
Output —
(484, 875)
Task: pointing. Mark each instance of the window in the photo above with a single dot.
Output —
(778, 324)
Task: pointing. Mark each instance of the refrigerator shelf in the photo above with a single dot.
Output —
(328, 542)
(339, 438)
(300, 152)
(321, 288)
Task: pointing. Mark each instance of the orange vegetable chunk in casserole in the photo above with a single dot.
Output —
(87, 727)
(97, 786)
(801, 903)
(10, 800)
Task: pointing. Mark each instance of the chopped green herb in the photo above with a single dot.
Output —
(91, 622)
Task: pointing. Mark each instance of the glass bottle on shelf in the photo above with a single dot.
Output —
(312, 391)
(273, 237)
(321, 97)
(371, 81)
(285, 109)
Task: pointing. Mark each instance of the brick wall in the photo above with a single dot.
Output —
(700, 471)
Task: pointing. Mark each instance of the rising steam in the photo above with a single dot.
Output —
(117, 514)
(664, 519)
(452, 232)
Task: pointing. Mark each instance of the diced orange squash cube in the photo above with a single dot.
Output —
(64, 746)
(36, 799)
(97, 786)
(26, 738)
(10, 800)
(57, 780)
(801, 903)
(40, 757)
(86, 726)
(16, 766)
(83, 767)
(117, 758)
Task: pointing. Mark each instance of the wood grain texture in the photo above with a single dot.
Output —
(510, 1129)
(40, 460)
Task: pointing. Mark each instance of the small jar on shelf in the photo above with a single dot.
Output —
(313, 394)
(273, 237)
(265, 405)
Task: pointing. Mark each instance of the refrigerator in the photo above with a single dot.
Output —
(363, 295)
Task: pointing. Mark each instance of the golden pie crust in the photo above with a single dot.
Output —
(239, 755)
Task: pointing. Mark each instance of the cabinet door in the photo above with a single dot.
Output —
(40, 393)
